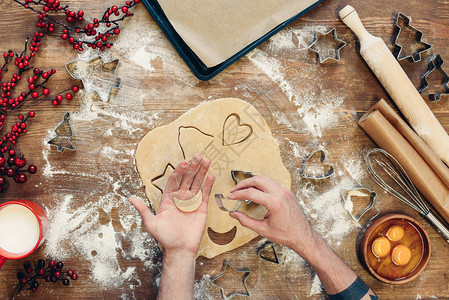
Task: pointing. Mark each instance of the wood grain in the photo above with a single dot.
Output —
(169, 90)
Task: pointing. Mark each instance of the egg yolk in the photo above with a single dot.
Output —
(381, 247)
(395, 233)
(401, 255)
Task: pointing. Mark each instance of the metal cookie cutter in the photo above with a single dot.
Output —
(397, 52)
(246, 272)
(264, 248)
(304, 172)
(327, 47)
(238, 176)
(97, 76)
(436, 62)
(219, 199)
(347, 194)
(64, 134)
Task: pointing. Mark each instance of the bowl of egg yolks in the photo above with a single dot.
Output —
(396, 248)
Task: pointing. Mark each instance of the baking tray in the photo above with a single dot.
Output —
(191, 59)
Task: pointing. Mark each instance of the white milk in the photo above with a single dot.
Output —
(19, 229)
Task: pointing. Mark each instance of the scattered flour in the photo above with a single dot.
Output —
(315, 110)
(316, 286)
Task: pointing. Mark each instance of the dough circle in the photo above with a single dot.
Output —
(234, 136)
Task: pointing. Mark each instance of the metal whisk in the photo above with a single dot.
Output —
(407, 191)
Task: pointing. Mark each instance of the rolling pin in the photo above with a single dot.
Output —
(393, 78)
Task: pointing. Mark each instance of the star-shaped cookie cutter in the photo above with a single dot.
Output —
(436, 62)
(303, 171)
(97, 76)
(416, 57)
(246, 272)
(64, 134)
(358, 191)
(322, 56)
(262, 248)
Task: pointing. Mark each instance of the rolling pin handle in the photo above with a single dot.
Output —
(350, 17)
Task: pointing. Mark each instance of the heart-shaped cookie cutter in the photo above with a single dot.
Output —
(359, 191)
(303, 171)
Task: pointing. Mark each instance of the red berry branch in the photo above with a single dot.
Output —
(37, 92)
(52, 273)
(95, 34)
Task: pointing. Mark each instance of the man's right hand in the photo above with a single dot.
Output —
(284, 223)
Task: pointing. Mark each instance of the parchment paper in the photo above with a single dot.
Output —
(422, 175)
(216, 30)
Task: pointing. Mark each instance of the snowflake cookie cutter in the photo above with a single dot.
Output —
(416, 56)
(435, 63)
(96, 75)
(64, 134)
(246, 272)
(346, 195)
(328, 52)
(304, 169)
(260, 252)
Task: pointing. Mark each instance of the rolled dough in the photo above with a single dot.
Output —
(234, 136)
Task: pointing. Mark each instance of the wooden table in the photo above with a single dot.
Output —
(100, 175)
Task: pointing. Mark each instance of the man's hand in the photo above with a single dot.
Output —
(284, 222)
(177, 231)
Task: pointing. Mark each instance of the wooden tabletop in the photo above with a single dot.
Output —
(306, 104)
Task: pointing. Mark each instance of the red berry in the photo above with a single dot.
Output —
(64, 36)
(12, 152)
(20, 162)
(124, 9)
(31, 114)
(68, 96)
(74, 276)
(32, 169)
(22, 178)
(34, 95)
(10, 172)
(54, 102)
(2, 182)
(2, 161)
(41, 272)
(70, 273)
(116, 31)
(45, 92)
(75, 89)
(52, 264)
(58, 274)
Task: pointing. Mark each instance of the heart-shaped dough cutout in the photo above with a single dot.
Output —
(235, 132)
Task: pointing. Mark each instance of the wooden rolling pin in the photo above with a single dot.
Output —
(393, 78)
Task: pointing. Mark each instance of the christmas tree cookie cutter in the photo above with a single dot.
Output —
(346, 195)
(64, 134)
(246, 272)
(327, 168)
(97, 76)
(435, 63)
(327, 52)
(397, 52)
(264, 248)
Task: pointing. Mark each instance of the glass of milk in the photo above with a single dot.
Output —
(23, 226)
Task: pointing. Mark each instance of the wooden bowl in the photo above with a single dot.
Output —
(383, 268)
